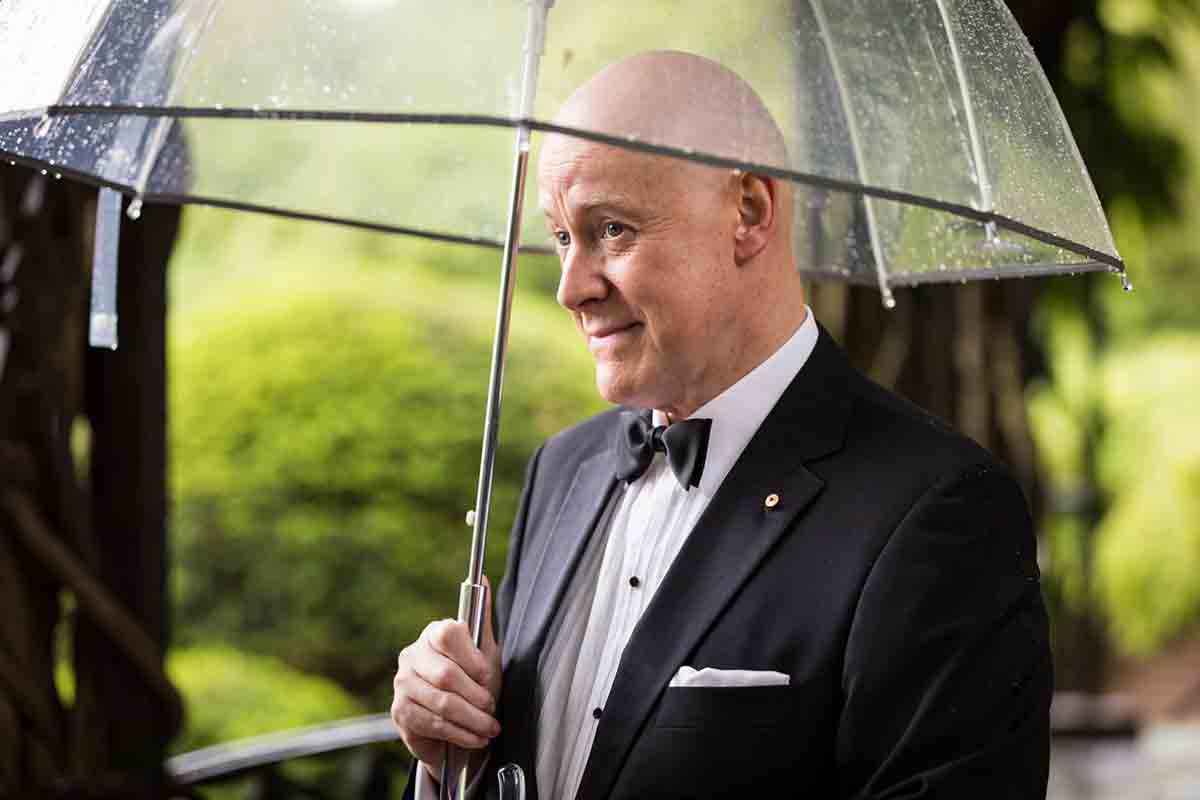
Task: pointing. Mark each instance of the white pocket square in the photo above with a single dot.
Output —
(686, 676)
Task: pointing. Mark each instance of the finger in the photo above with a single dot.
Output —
(454, 709)
(452, 639)
(442, 673)
(420, 721)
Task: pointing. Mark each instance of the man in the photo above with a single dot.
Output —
(816, 591)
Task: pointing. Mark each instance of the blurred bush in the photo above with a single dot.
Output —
(325, 433)
(1141, 571)
(267, 694)
(1148, 545)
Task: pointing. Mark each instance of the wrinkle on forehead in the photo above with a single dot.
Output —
(585, 175)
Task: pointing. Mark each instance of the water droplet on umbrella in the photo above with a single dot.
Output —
(58, 176)
(134, 211)
(43, 172)
(43, 127)
(1126, 284)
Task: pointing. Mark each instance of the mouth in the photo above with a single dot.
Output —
(610, 334)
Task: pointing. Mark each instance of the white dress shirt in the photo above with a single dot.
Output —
(635, 544)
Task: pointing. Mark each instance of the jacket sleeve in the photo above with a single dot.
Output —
(947, 675)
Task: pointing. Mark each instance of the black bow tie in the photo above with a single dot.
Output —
(685, 443)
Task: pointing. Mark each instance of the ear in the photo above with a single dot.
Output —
(757, 206)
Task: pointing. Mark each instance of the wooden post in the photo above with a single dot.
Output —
(126, 403)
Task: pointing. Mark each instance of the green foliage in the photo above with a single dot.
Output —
(326, 429)
(1148, 546)
(1143, 576)
(266, 694)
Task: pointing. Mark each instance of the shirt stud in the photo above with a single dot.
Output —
(634, 581)
(771, 501)
(596, 712)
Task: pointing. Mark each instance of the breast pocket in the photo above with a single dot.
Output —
(734, 742)
(738, 707)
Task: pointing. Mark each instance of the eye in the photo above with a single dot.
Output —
(562, 238)
(612, 230)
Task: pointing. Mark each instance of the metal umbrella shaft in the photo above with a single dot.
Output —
(472, 594)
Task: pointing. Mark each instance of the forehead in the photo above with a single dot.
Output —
(575, 171)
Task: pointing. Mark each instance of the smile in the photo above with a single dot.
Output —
(612, 334)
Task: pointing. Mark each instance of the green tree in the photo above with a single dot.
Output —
(326, 447)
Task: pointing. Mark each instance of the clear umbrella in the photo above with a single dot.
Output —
(922, 137)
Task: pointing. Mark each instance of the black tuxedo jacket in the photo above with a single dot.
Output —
(895, 582)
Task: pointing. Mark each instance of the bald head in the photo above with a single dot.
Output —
(680, 100)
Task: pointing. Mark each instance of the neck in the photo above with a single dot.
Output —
(758, 350)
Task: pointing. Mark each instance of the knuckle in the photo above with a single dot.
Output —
(441, 674)
(397, 713)
(442, 633)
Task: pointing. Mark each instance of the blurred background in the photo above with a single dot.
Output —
(325, 397)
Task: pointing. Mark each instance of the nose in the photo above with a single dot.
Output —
(582, 280)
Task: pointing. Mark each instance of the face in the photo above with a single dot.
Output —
(647, 251)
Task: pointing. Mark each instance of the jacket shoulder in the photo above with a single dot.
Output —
(901, 438)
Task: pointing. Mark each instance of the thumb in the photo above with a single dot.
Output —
(488, 642)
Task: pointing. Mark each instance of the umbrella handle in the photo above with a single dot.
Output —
(472, 599)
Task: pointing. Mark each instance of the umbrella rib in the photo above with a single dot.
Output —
(986, 200)
(159, 137)
(856, 146)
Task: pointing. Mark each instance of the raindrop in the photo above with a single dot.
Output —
(43, 172)
(58, 176)
(43, 127)
(134, 211)
(1126, 284)
(256, 108)
(219, 106)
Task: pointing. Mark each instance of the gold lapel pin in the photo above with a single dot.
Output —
(771, 501)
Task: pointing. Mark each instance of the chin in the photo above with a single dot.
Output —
(616, 388)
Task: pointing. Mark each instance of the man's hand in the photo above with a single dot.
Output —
(446, 690)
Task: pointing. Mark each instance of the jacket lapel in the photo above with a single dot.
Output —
(538, 605)
(735, 533)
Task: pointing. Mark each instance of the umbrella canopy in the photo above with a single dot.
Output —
(923, 137)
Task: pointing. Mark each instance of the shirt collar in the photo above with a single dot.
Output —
(739, 411)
